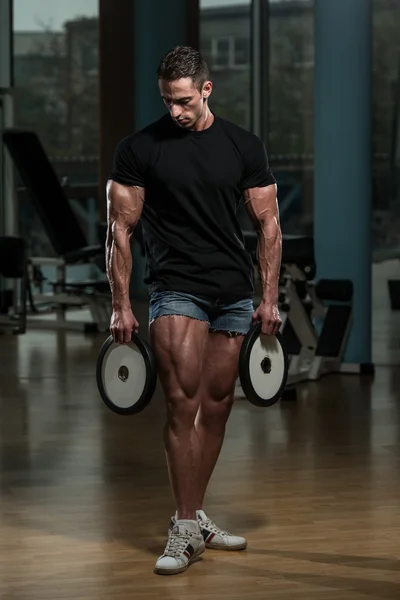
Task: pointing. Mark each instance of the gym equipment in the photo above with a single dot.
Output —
(263, 367)
(65, 234)
(316, 315)
(13, 266)
(126, 375)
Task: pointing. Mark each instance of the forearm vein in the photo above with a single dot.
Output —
(269, 254)
(119, 265)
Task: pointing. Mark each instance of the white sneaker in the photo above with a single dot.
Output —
(185, 544)
(213, 536)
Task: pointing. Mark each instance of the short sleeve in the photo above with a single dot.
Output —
(256, 170)
(128, 167)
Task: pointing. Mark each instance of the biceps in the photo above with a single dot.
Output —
(262, 206)
(124, 206)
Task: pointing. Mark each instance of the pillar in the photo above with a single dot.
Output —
(8, 196)
(158, 26)
(116, 97)
(259, 28)
(134, 35)
(343, 156)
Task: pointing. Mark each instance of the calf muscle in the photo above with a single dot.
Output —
(179, 345)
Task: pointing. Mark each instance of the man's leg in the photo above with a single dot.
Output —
(179, 345)
(220, 371)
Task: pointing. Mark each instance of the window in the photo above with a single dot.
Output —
(291, 115)
(221, 52)
(386, 125)
(56, 77)
(225, 43)
(241, 56)
(56, 96)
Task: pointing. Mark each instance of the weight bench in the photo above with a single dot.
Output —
(316, 316)
(67, 239)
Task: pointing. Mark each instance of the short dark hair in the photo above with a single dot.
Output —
(183, 61)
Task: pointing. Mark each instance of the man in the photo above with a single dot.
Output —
(184, 176)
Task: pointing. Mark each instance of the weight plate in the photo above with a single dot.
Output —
(263, 367)
(126, 375)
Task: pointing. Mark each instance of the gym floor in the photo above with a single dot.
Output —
(85, 501)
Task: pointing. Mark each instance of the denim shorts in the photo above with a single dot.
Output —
(234, 318)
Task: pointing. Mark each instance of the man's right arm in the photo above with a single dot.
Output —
(124, 209)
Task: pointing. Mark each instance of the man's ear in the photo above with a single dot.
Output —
(207, 89)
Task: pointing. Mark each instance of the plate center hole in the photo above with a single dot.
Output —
(123, 373)
(266, 365)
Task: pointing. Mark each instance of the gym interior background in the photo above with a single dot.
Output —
(319, 81)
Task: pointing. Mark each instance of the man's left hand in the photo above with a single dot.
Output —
(268, 314)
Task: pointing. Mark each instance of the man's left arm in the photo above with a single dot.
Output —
(262, 206)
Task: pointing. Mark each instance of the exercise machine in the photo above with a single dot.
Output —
(316, 315)
(68, 241)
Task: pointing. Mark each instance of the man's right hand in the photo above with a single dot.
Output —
(122, 324)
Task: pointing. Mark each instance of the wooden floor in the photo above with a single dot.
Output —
(85, 500)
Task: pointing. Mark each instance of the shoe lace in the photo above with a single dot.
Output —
(211, 526)
(176, 544)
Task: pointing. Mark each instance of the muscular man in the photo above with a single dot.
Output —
(184, 177)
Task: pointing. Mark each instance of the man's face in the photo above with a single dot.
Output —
(184, 100)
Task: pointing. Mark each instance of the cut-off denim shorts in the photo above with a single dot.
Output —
(233, 319)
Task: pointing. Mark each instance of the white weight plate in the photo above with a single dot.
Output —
(266, 366)
(124, 374)
(263, 367)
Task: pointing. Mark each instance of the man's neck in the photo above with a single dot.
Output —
(205, 120)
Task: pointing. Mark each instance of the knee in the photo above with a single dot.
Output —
(215, 411)
(181, 410)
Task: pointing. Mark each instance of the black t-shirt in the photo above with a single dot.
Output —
(194, 181)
